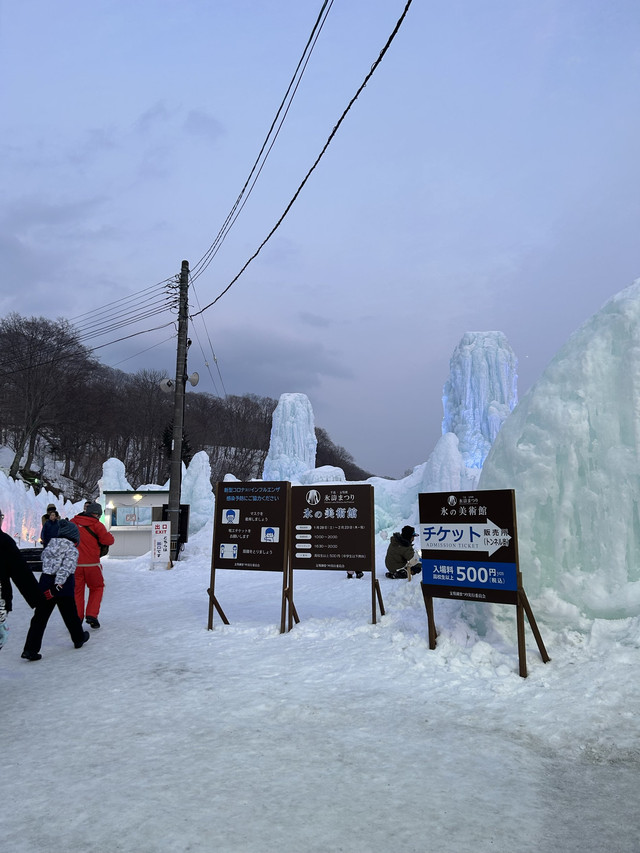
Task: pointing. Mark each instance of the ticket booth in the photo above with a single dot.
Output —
(128, 516)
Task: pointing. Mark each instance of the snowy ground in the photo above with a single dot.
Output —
(161, 736)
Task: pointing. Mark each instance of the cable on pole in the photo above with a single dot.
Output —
(319, 157)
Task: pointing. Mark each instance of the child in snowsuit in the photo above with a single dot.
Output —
(59, 560)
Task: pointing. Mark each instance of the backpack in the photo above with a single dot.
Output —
(104, 549)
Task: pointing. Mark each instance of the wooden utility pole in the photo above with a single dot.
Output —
(175, 482)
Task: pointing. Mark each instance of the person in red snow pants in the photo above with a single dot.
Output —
(93, 534)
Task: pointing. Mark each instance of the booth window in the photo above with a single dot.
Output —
(132, 516)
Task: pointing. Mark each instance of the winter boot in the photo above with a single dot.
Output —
(86, 636)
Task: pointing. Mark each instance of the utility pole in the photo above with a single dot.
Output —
(175, 481)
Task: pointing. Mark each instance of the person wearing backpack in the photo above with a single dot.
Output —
(94, 542)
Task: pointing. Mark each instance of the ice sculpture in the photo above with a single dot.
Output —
(480, 393)
(196, 491)
(293, 443)
(571, 450)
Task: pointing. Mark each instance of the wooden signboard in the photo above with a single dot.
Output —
(250, 531)
(332, 529)
(469, 548)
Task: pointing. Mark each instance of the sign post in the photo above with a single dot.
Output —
(250, 532)
(161, 544)
(470, 552)
(332, 529)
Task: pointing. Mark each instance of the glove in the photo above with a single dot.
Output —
(48, 594)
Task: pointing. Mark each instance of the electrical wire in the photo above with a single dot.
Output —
(141, 352)
(143, 308)
(267, 146)
(110, 305)
(48, 356)
(319, 157)
(205, 360)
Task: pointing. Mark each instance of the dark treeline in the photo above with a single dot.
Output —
(60, 401)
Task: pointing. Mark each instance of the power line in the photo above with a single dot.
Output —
(95, 325)
(254, 174)
(48, 355)
(141, 306)
(215, 359)
(133, 335)
(127, 315)
(109, 305)
(319, 157)
(141, 352)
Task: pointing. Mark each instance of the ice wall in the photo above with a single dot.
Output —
(571, 450)
(293, 443)
(23, 510)
(480, 393)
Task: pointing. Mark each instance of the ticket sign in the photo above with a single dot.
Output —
(469, 545)
(250, 526)
(332, 527)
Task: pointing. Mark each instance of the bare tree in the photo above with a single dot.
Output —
(41, 364)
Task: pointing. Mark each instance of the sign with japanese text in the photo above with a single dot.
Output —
(332, 527)
(250, 526)
(161, 542)
(469, 545)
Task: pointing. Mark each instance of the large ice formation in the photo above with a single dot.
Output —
(114, 478)
(196, 491)
(293, 443)
(571, 450)
(324, 474)
(480, 393)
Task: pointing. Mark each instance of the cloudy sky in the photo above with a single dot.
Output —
(487, 177)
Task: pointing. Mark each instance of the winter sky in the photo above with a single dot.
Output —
(485, 178)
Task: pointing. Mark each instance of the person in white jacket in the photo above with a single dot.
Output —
(59, 560)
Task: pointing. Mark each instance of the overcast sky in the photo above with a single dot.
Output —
(486, 178)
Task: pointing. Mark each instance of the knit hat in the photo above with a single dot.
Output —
(408, 532)
(68, 530)
(93, 508)
(51, 508)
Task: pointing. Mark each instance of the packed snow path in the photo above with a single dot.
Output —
(160, 736)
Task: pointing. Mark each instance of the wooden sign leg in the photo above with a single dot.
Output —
(213, 602)
(375, 593)
(534, 627)
(431, 623)
(522, 649)
(210, 620)
(288, 611)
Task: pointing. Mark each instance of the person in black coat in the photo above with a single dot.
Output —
(14, 568)
(401, 559)
(50, 523)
